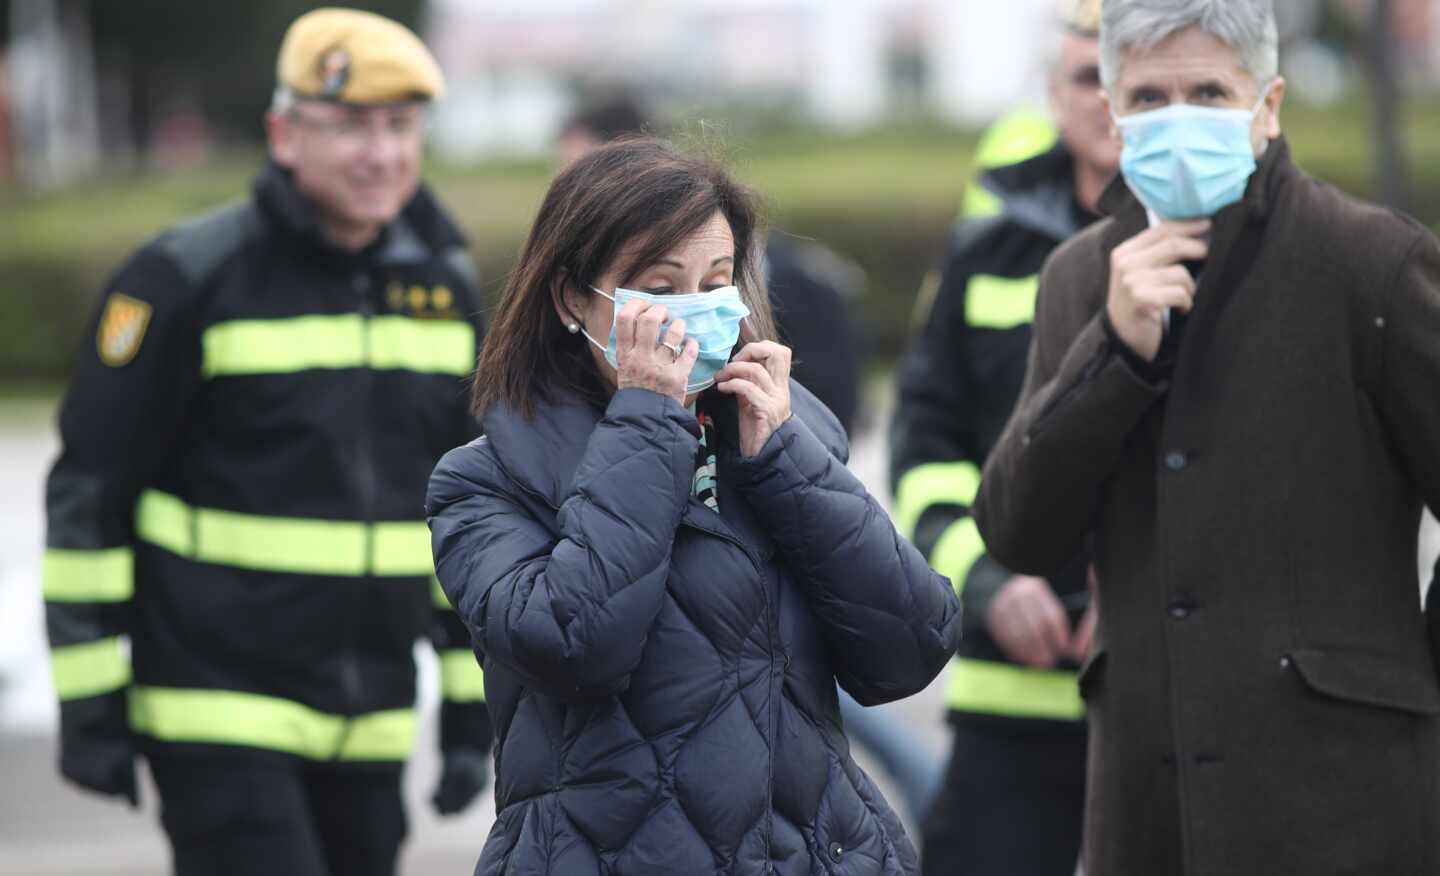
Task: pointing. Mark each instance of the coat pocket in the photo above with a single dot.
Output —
(1369, 679)
(1091, 672)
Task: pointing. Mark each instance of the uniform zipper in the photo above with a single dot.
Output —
(351, 686)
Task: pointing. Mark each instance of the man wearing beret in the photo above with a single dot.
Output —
(1234, 393)
(237, 563)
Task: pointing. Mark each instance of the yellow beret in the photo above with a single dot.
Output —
(1081, 16)
(356, 57)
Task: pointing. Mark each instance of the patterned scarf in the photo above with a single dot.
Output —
(703, 487)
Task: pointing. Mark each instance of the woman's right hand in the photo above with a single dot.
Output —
(645, 363)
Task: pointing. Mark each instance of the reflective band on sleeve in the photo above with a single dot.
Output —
(284, 544)
(90, 669)
(164, 520)
(403, 548)
(222, 717)
(88, 576)
(461, 678)
(952, 483)
(992, 688)
(1000, 302)
(956, 551)
(303, 343)
(437, 594)
(429, 346)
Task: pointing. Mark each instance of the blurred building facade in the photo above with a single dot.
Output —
(70, 99)
(517, 64)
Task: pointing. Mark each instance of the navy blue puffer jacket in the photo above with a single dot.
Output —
(661, 677)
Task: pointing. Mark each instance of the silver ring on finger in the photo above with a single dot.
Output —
(674, 349)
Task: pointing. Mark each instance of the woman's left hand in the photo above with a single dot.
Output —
(759, 377)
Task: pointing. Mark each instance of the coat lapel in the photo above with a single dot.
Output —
(1239, 232)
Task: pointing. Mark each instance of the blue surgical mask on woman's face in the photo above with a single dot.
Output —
(1188, 162)
(712, 319)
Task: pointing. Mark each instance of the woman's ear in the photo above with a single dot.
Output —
(569, 303)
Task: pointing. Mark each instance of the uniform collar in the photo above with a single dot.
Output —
(1038, 193)
(421, 229)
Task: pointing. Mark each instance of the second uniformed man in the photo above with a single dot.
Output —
(237, 563)
(1013, 795)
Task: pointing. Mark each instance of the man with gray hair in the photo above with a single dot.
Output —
(1232, 395)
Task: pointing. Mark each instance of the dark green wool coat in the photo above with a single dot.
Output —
(1262, 698)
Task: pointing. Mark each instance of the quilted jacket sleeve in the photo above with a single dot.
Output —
(890, 621)
(569, 613)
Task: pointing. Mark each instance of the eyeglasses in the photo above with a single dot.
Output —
(355, 126)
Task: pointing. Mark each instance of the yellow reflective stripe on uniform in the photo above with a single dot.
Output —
(281, 346)
(88, 576)
(957, 549)
(285, 346)
(1012, 691)
(280, 544)
(431, 346)
(1018, 136)
(1022, 134)
(461, 678)
(164, 520)
(1000, 302)
(980, 202)
(931, 484)
(283, 544)
(403, 548)
(223, 717)
(90, 669)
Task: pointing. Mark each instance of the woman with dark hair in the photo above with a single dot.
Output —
(663, 562)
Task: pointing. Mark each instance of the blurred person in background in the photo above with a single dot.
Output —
(1232, 395)
(1014, 793)
(662, 558)
(239, 495)
(810, 290)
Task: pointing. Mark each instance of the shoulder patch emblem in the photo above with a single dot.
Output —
(122, 328)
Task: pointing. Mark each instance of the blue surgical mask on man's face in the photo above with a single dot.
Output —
(711, 318)
(1188, 162)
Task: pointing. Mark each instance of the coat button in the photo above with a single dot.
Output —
(1285, 662)
(837, 851)
(1180, 609)
(1176, 460)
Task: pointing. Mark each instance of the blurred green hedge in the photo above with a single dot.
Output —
(885, 199)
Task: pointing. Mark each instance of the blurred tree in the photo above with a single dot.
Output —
(218, 58)
(1385, 87)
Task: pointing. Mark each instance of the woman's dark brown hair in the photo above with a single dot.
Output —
(636, 198)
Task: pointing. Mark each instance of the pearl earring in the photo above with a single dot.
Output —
(573, 327)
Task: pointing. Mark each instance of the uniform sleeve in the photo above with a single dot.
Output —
(138, 371)
(569, 615)
(935, 461)
(464, 717)
(891, 622)
(1081, 400)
